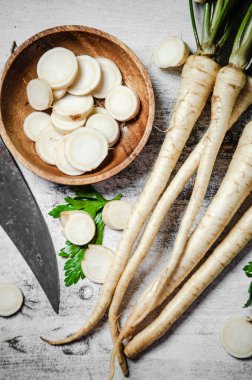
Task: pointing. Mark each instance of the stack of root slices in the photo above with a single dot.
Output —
(77, 135)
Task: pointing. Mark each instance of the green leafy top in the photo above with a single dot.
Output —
(89, 200)
(248, 271)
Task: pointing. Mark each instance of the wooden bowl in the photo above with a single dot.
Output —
(21, 68)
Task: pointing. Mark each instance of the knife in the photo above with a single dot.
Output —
(22, 220)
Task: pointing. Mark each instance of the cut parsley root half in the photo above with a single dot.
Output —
(58, 94)
(66, 126)
(88, 77)
(61, 162)
(11, 299)
(39, 94)
(105, 124)
(171, 52)
(35, 123)
(97, 262)
(86, 148)
(79, 227)
(122, 103)
(236, 337)
(115, 214)
(58, 67)
(110, 77)
(46, 143)
(72, 107)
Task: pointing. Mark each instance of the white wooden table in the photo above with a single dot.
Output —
(192, 349)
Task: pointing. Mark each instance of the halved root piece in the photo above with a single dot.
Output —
(72, 108)
(226, 251)
(58, 67)
(79, 228)
(88, 77)
(97, 262)
(61, 162)
(11, 299)
(122, 103)
(46, 143)
(110, 77)
(236, 337)
(39, 94)
(115, 214)
(86, 149)
(171, 52)
(106, 125)
(66, 126)
(58, 94)
(35, 123)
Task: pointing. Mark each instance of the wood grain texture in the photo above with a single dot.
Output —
(191, 350)
(21, 67)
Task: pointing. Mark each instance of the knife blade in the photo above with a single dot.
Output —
(23, 221)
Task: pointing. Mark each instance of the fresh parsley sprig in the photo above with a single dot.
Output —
(248, 271)
(87, 199)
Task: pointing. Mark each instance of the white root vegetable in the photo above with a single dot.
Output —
(228, 249)
(170, 195)
(35, 123)
(236, 337)
(229, 82)
(58, 94)
(106, 125)
(46, 143)
(66, 126)
(198, 77)
(61, 162)
(11, 299)
(65, 215)
(235, 187)
(39, 94)
(122, 103)
(79, 228)
(97, 262)
(86, 148)
(171, 52)
(88, 77)
(110, 77)
(58, 67)
(72, 108)
(115, 214)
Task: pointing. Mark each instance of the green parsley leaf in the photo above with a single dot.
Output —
(72, 267)
(99, 229)
(92, 207)
(248, 269)
(88, 192)
(249, 301)
(70, 250)
(56, 211)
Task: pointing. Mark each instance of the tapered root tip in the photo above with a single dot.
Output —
(54, 342)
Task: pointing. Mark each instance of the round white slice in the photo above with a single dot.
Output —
(39, 94)
(97, 262)
(110, 77)
(171, 52)
(122, 103)
(58, 66)
(65, 126)
(58, 94)
(79, 228)
(46, 143)
(72, 107)
(106, 125)
(88, 77)
(65, 215)
(61, 161)
(86, 148)
(35, 123)
(11, 299)
(236, 337)
(115, 214)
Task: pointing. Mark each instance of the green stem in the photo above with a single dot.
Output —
(220, 13)
(206, 22)
(196, 36)
(242, 48)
